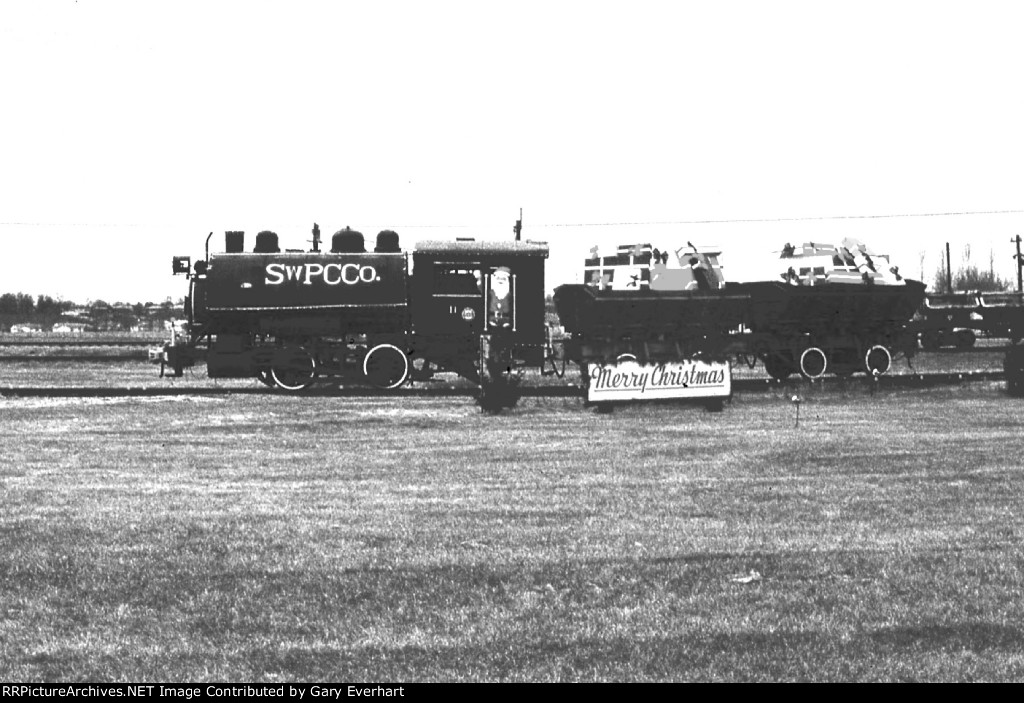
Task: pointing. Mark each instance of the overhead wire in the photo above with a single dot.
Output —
(779, 219)
(639, 223)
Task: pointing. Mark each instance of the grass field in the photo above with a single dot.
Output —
(270, 538)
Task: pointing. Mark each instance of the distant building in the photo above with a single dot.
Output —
(69, 328)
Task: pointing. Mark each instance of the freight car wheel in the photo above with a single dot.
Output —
(877, 359)
(813, 363)
(293, 370)
(778, 367)
(386, 366)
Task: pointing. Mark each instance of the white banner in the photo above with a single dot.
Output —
(629, 380)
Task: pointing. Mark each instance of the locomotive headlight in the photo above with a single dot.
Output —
(468, 314)
(181, 264)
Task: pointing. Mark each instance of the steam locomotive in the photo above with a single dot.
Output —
(644, 324)
(289, 318)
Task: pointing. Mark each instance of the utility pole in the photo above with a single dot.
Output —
(1020, 265)
(949, 272)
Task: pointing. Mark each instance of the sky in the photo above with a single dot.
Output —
(131, 130)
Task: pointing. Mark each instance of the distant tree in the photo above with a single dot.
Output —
(48, 310)
(26, 305)
(8, 310)
(100, 314)
(121, 318)
(969, 277)
(45, 311)
(15, 308)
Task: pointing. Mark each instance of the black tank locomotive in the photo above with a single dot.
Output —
(293, 317)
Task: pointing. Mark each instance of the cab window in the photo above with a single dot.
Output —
(450, 279)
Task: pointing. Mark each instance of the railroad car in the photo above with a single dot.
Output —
(831, 309)
(651, 324)
(958, 319)
(835, 309)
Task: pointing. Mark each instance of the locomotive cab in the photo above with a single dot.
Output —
(466, 289)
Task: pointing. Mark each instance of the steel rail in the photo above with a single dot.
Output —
(65, 342)
(54, 358)
(567, 391)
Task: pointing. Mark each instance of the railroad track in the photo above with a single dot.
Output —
(745, 385)
(52, 358)
(138, 349)
(39, 350)
(80, 342)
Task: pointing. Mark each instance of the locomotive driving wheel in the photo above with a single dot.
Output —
(293, 370)
(386, 366)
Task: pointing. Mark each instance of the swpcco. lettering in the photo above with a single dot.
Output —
(331, 274)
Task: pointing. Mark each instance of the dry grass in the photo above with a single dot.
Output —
(271, 538)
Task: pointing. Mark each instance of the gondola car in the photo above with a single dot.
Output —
(649, 324)
(835, 309)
